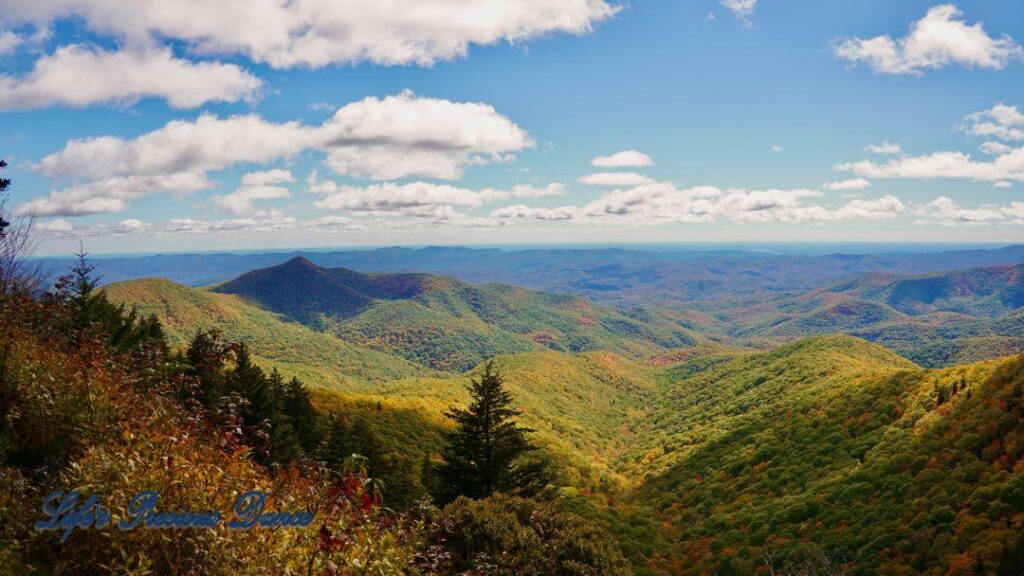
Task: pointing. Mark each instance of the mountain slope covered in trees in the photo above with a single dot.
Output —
(433, 321)
(701, 458)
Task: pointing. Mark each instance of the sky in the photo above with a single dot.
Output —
(254, 124)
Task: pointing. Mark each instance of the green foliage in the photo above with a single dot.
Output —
(446, 324)
(508, 536)
(884, 468)
(487, 451)
(318, 359)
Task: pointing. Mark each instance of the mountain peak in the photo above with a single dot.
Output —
(300, 261)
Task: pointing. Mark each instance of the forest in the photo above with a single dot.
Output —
(434, 426)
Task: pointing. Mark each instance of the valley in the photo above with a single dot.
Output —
(703, 438)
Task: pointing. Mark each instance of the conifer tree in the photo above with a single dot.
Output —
(485, 452)
(303, 416)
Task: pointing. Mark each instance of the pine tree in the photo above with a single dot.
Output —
(485, 452)
(303, 416)
(336, 448)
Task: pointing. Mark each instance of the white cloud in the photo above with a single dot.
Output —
(9, 42)
(528, 191)
(268, 177)
(944, 210)
(112, 194)
(79, 76)
(1002, 184)
(623, 159)
(663, 203)
(995, 148)
(405, 136)
(940, 39)
(64, 229)
(316, 33)
(415, 199)
(53, 227)
(615, 179)
(957, 165)
(887, 148)
(852, 184)
(240, 202)
(887, 206)
(776, 148)
(208, 143)
(1001, 122)
(394, 137)
(186, 226)
(519, 211)
(742, 9)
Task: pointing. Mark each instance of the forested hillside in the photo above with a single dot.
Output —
(431, 321)
(836, 449)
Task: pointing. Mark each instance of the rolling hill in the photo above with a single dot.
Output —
(702, 457)
(447, 324)
(835, 447)
(294, 349)
(935, 319)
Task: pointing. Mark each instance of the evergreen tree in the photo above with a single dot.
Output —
(303, 416)
(93, 314)
(206, 356)
(336, 448)
(485, 453)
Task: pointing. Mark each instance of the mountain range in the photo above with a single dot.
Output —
(873, 419)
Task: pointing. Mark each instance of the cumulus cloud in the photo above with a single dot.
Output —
(529, 191)
(268, 177)
(405, 136)
(208, 143)
(995, 148)
(844, 185)
(942, 38)
(187, 226)
(664, 203)
(79, 76)
(61, 228)
(615, 179)
(316, 33)
(520, 211)
(742, 9)
(1002, 184)
(54, 227)
(415, 199)
(776, 148)
(623, 159)
(1001, 122)
(378, 138)
(886, 147)
(112, 194)
(955, 165)
(944, 210)
(240, 202)
(9, 42)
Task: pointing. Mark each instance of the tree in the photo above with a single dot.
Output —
(507, 535)
(4, 184)
(18, 274)
(485, 452)
(303, 416)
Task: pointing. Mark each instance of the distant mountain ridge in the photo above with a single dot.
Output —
(442, 323)
(935, 319)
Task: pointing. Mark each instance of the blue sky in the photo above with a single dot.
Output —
(259, 125)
